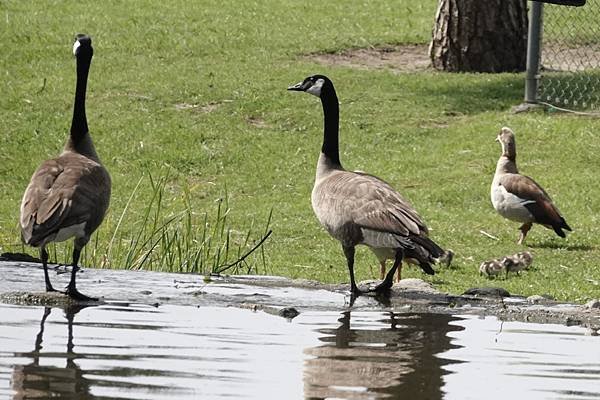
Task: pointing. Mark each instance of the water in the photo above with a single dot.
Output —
(185, 352)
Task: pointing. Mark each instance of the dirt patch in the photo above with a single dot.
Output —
(257, 122)
(202, 108)
(399, 59)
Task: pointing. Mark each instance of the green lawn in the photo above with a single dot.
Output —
(195, 92)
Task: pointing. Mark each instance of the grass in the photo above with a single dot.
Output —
(198, 90)
(172, 237)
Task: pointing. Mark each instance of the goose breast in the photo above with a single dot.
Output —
(509, 205)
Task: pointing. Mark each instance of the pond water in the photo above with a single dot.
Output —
(184, 352)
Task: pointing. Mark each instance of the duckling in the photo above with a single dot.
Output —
(512, 265)
(491, 268)
(525, 258)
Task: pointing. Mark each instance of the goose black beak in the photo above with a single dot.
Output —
(298, 87)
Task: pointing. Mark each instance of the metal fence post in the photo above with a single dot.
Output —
(534, 39)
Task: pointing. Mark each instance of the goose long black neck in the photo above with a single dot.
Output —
(331, 114)
(80, 140)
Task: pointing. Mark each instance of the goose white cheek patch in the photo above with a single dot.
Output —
(75, 47)
(316, 88)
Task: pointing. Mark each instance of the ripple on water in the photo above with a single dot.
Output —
(178, 352)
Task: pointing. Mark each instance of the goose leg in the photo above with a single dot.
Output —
(349, 253)
(44, 257)
(388, 282)
(524, 229)
(72, 288)
(382, 269)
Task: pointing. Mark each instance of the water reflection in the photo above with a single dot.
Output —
(174, 352)
(394, 355)
(35, 381)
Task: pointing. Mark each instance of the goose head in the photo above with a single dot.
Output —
(83, 46)
(506, 137)
(316, 85)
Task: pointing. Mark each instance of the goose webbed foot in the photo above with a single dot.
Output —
(75, 294)
(50, 288)
(384, 287)
(354, 290)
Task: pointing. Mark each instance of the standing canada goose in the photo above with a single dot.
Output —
(518, 197)
(68, 195)
(358, 208)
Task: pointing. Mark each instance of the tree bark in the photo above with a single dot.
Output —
(480, 36)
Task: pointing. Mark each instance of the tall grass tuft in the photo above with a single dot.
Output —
(157, 238)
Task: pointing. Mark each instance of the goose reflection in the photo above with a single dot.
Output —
(35, 381)
(395, 359)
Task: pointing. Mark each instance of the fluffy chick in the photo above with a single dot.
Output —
(491, 268)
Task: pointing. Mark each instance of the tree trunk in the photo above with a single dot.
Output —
(480, 36)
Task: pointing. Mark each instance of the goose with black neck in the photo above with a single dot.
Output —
(67, 196)
(358, 208)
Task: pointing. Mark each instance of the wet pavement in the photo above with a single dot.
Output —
(163, 336)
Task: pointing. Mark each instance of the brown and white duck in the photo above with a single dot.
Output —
(518, 197)
(358, 208)
(68, 196)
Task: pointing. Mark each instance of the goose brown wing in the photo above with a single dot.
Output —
(537, 201)
(380, 208)
(62, 192)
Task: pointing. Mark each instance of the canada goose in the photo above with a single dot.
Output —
(68, 195)
(518, 197)
(358, 208)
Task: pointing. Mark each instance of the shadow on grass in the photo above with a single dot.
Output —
(561, 246)
(473, 93)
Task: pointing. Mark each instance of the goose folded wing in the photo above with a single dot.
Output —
(379, 207)
(533, 197)
(59, 195)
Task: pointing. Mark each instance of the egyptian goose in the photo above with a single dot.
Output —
(518, 197)
(358, 208)
(68, 196)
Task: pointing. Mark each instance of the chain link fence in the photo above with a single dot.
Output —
(568, 72)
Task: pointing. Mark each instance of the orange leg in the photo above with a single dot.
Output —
(524, 229)
(382, 270)
(399, 273)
